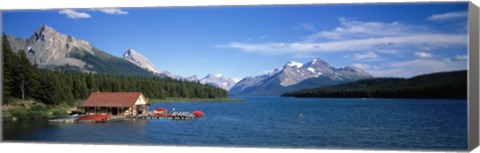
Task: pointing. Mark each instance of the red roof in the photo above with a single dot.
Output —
(112, 99)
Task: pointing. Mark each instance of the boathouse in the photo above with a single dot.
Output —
(116, 103)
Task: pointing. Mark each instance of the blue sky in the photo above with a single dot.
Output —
(400, 40)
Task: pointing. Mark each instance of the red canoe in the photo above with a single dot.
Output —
(198, 113)
(96, 118)
(160, 111)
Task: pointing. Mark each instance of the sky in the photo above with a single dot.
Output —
(386, 40)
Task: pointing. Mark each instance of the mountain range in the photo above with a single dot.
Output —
(296, 76)
(212, 79)
(219, 81)
(50, 49)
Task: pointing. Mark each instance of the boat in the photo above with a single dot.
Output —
(198, 113)
(162, 113)
(97, 118)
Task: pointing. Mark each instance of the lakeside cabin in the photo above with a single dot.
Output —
(116, 104)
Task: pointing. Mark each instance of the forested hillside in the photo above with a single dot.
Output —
(436, 85)
(22, 80)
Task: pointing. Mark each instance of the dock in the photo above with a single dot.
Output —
(64, 120)
(165, 117)
(101, 118)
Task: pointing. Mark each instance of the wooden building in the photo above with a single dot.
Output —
(116, 103)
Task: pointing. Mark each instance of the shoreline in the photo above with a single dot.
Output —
(24, 110)
(29, 109)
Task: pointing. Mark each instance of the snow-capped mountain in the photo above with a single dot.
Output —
(138, 59)
(213, 79)
(217, 80)
(295, 76)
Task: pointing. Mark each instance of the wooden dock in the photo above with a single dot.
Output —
(165, 117)
(105, 118)
(63, 120)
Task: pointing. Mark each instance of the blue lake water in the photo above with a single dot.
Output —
(274, 122)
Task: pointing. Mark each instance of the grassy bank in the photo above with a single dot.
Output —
(31, 110)
(154, 101)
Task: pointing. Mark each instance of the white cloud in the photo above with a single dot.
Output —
(412, 68)
(448, 16)
(423, 54)
(460, 58)
(368, 39)
(414, 40)
(360, 29)
(388, 38)
(112, 11)
(368, 56)
(80, 15)
(74, 14)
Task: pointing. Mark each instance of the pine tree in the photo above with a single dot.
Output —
(9, 59)
(25, 74)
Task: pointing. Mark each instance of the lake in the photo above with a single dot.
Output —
(432, 124)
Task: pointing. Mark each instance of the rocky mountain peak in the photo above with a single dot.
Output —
(138, 59)
(45, 31)
(317, 61)
(295, 75)
(50, 49)
(45, 28)
(129, 53)
(219, 80)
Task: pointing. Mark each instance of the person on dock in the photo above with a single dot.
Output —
(173, 110)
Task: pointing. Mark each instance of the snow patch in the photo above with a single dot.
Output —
(311, 69)
(236, 79)
(294, 64)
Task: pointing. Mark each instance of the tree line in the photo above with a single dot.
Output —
(436, 85)
(22, 80)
